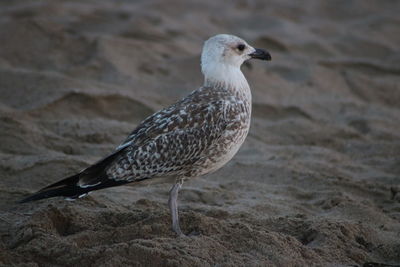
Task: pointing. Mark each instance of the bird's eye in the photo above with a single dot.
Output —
(241, 47)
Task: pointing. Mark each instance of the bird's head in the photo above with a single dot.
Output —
(228, 50)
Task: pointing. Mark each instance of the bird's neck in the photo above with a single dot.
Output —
(227, 76)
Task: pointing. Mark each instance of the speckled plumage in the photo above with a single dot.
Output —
(193, 137)
(190, 138)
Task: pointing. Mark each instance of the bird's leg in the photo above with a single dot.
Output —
(173, 206)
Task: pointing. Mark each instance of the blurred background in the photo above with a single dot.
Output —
(316, 182)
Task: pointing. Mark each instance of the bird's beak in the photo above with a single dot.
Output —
(260, 54)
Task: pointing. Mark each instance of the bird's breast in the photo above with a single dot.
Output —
(227, 145)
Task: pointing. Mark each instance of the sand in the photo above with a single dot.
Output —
(315, 184)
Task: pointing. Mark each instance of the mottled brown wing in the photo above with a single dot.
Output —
(190, 112)
(172, 140)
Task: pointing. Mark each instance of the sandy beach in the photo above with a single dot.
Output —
(317, 182)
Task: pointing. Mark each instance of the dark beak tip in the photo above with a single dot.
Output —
(261, 54)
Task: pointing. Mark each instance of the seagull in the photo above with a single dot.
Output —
(195, 136)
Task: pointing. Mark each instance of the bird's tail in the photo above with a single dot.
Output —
(66, 188)
(70, 189)
(75, 186)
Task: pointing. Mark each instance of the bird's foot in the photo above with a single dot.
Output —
(178, 230)
(182, 235)
(191, 234)
(194, 233)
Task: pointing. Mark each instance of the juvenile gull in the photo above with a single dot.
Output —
(195, 136)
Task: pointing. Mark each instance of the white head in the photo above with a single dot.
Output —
(223, 55)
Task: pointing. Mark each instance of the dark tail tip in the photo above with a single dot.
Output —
(65, 187)
(40, 195)
(24, 200)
